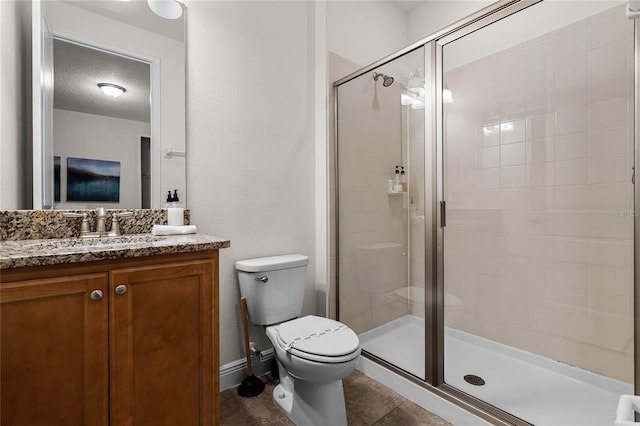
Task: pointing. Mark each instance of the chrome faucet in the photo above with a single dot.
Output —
(101, 229)
(85, 231)
(115, 226)
(101, 219)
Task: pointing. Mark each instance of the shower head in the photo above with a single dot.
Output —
(386, 80)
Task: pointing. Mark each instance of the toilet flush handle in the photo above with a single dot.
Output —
(263, 279)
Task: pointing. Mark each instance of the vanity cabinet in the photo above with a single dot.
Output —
(119, 342)
(53, 351)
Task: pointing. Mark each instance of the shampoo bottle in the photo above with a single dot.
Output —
(403, 180)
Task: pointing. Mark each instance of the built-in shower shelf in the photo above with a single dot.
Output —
(390, 189)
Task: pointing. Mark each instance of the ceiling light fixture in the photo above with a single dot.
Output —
(112, 90)
(168, 9)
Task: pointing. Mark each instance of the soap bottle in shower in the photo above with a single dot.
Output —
(397, 184)
(403, 180)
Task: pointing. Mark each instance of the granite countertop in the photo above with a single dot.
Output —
(22, 253)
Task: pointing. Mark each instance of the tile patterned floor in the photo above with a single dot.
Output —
(368, 403)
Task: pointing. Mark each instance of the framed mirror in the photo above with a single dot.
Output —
(92, 149)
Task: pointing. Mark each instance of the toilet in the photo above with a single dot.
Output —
(313, 353)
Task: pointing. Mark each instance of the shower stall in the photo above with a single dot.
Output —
(485, 210)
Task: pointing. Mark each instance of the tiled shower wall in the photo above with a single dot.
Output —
(372, 223)
(539, 236)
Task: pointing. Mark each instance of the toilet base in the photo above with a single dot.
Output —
(312, 404)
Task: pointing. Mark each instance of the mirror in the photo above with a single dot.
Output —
(97, 150)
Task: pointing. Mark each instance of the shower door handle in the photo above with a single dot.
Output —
(443, 214)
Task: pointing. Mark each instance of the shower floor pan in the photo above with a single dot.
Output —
(534, 388)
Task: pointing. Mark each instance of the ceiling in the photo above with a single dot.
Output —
(78, 70)
(135, 13)
(408, 5)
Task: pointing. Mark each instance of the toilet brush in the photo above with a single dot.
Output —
(251, 385)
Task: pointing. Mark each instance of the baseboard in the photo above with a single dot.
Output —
(234, 372)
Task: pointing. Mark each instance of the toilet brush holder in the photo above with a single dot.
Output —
(251, 385)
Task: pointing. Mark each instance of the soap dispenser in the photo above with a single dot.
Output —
(175, 212)
(169, 199)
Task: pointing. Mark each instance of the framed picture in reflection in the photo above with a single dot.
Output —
(56, 178)
(93, 180)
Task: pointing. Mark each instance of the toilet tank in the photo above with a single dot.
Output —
(273, 287)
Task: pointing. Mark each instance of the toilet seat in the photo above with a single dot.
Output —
(318, 339)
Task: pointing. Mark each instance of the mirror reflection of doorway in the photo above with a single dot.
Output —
(91, 123)
(145, 172)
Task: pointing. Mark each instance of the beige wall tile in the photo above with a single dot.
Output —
(572, 69)
(608, 58)
(572, 147)
(611, 141)
(571, 92)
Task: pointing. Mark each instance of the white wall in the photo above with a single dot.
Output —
(365, 31)
(251, 148)
(15, 80)
(69, 19)
(112, 139)
(436, 15)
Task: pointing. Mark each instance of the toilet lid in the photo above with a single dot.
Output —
(318, 336)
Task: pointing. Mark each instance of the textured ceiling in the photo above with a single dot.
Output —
(77, 72)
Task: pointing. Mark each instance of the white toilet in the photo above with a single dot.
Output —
(313, 353)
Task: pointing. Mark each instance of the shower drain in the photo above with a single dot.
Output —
(474, 380)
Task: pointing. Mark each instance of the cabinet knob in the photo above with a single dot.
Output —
(121, 289)
(96, 295)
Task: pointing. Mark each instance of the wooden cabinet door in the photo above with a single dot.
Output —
(53, 351)
(162, 365)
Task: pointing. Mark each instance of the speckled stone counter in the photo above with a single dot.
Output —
(42, 224)
(46, 237)
(39, 252)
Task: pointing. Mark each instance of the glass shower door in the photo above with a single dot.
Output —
(381, 210)
(538, 150)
